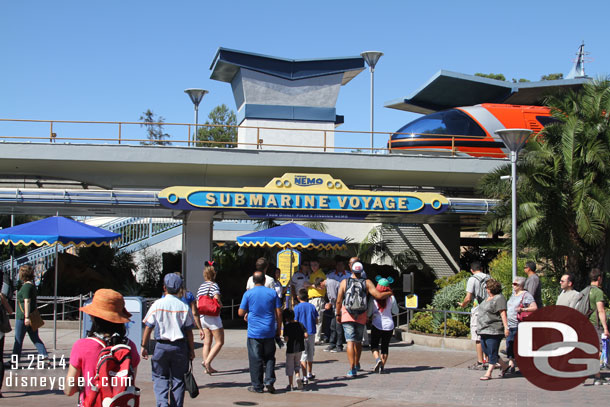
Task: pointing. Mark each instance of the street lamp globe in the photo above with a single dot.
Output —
(196, 95)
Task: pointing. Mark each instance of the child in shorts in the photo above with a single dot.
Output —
(306, 314)
(294, 336)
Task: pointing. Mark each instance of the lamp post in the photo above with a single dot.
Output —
(514, 140)
(196, 95)
(371, 58)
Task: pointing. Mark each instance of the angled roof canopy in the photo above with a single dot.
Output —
(227, 63)
(447, 89)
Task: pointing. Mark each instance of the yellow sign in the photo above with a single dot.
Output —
(411, 301)
(292, 194)
(285, 259)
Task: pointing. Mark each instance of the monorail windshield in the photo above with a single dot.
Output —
(448, 122)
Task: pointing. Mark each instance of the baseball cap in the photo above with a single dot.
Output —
(172, 282)
(357, 267)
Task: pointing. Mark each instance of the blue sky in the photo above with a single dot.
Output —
(111, 60)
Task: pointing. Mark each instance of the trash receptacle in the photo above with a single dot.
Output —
(136, 307)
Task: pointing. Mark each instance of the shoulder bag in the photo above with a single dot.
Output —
(189, 382)
(36, 320)
(523, 314)
(207, 305)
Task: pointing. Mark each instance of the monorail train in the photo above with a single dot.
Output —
(468, 130)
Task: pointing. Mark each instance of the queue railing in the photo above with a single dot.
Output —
(409, 313)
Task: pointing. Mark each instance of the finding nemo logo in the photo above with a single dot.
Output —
(300, 193)
(304, 181)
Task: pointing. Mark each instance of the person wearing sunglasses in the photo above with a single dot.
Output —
(521, 301)
(569, 296)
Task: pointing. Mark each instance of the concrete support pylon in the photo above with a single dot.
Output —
(196, 247)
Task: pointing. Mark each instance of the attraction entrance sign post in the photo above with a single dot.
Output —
(297, 196)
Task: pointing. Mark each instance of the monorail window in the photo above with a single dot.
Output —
(546, 120)
(450, 122)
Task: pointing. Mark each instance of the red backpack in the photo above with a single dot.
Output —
(113, 384)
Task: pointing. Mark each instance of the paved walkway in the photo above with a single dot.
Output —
(418, 376)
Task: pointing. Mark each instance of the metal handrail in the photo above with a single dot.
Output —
(409, 311)
(53, 137)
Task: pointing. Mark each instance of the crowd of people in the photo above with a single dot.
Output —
(493, 318)
(278, 315)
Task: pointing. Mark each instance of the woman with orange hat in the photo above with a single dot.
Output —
(108, 316)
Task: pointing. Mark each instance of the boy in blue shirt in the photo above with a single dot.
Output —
(306, 313)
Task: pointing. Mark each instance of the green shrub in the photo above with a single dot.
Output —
(501, 270)
(423, 322)
(446, 281)
(455, 328)
(448, 297)
(550, 289)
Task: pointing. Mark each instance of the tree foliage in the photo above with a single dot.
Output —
(155, 133)
(551, 77)
(496, 76)
(218, 129)
(563, 184)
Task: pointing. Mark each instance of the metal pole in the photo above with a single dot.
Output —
(372, 104)
(80, 320)
(196, 123)
(12, 251)
(55, 298)
(513, 159)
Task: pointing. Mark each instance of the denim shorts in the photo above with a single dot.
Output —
(353, 331)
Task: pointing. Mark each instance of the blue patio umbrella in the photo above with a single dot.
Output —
(51, 232)
(292, 235)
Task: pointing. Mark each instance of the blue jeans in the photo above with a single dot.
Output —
(20, 330)
(169, 364)
(510, 342)
(261, 355)
(337, 337)
(491, 346)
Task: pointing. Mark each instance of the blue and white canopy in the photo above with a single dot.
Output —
(56, 229)
(294, 236)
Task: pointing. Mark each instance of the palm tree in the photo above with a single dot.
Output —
(564, 182)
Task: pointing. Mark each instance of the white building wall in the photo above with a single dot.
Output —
(306, 136)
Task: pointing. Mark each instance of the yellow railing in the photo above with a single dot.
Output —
(118, 136)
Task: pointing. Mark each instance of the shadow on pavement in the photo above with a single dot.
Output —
(18, 394)
(405, 369)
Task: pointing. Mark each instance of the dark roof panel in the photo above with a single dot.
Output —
(227, 63)
(446, 90)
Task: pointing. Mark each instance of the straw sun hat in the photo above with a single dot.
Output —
(108, 305)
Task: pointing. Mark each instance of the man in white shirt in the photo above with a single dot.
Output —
(269, 281)
(569, 296)
(172, 323)
(298, 280)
